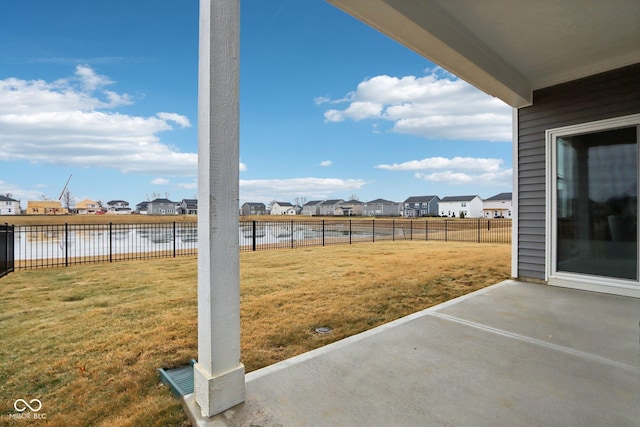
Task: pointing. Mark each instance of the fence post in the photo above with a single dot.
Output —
(4, 257)
(393, 230)
(323, 232)
(373, 230)
(350, 232)
(7, 249)
(446, 230)
(66, 244)
(426, 229)
(291, 234)
(11, 249)
(253, 235)
(478, 230)
(411, 230)
(110, 242)
(175, 237)
(4, 250)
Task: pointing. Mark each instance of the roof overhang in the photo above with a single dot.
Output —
(508, 49)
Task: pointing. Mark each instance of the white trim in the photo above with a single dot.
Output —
(574, 280)
(549, 231)
(514, 197)
(605, 285)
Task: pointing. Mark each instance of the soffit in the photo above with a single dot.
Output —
(510, 48)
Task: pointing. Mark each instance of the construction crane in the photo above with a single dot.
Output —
(65, 187)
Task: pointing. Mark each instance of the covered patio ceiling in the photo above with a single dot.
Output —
(511, 48)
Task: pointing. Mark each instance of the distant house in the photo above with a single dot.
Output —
(142, 208)
(417, 206)
(161, 207)
(189, 207)
(381, 207)
(118, 207)
(45, 207)
(87, 207)
(461, 206)
(282, 208)
(9, 206)
(498, 206)
(328, 207)
(311, 208)
(350, 208)
(249, 208)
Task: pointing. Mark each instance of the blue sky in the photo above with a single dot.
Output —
(329, 108)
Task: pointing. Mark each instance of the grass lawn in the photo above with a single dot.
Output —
(87, 340)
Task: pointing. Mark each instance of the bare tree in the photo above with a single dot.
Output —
(9, 195)
(354, 197)
(67, 200)
(44, 197)
(300, 201)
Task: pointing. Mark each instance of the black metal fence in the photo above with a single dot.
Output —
(41, 246)
(295, 233)
(6, 249)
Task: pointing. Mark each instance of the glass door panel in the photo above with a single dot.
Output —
(597, 203)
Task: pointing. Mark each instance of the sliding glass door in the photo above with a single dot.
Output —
(595, 196)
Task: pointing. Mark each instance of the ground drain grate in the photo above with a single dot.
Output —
(179, 379)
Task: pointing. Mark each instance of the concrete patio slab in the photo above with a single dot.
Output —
(513, 354)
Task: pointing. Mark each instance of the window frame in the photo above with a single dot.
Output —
(577, 280)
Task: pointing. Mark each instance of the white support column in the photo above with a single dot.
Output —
(218, 376)
(515, 205)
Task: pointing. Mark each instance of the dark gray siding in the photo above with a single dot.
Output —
(603, 96)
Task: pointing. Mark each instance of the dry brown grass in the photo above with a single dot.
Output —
(86, 340)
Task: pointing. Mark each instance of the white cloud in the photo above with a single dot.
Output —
(443, 163)
(242, 166)
(319, 100)
(326, 163)
(265, 190)
(18, 193)
(68, 122)
(436, 106)
(357, 110)
(456, 170)
(160, 181)
(90, 80)
(188, 185)
(261, 190)
(177, 118)
(498, 178)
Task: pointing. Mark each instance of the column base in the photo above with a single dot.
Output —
(216, 394)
